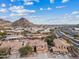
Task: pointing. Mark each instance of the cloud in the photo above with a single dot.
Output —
(60, 6)
(12, 14)
(30, 2)
(41, 9)
(15, 0)
(3, 10)
(75, 12)
(20, 11)
(45, 9)
(3, 5)
(77, 16)
(12, 0)
(70, 17)
(15, 15)
(52, 1)
(64, 1)
(49, 8)
(17, 9)
(3, 17)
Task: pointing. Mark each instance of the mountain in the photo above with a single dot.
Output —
(22, 22)
(4, 23)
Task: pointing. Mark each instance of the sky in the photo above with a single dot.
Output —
(41, 11)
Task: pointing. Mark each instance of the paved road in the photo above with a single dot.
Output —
(59, 33)
(69, 38)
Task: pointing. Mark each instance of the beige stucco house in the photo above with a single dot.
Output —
(61, 46)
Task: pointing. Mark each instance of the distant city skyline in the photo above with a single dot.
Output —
(41, 11)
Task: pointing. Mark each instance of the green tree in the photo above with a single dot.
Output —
(2, 35)
(26, 50)
(4, 52)
(49, 39)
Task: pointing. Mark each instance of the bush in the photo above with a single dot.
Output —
(49, 40)
(24, 51)
(4, 52)
(2, 35)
